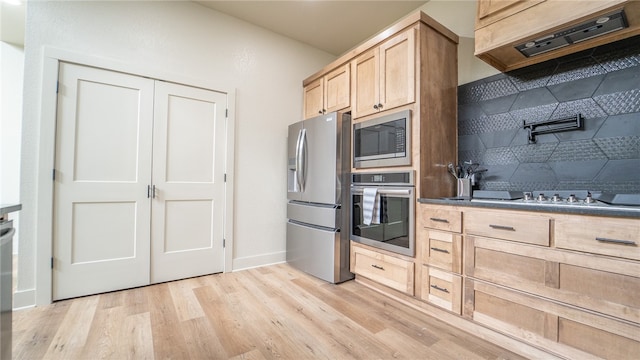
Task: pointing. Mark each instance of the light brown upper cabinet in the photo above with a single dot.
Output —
(490, 11)
(511, 34)
(328, 93)
(384, 77)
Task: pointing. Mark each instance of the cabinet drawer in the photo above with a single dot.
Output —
(605, 285)
(606, 236)
(441, 249)
(393, 272)
(562, 329)
(592, 340)
(442, 289)
(509, 225)
(441, 218)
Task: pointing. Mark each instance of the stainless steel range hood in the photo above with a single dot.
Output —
(587, 30)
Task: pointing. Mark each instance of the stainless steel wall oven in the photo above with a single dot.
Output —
(382, 208)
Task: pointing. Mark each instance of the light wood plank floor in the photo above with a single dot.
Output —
(265, 313)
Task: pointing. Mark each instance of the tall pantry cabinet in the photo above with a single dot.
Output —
(411, 65)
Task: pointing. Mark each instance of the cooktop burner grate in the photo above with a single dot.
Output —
(558, 197)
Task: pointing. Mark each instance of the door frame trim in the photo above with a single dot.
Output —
(51, 58)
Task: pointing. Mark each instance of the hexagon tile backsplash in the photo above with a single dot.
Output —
(603, 84)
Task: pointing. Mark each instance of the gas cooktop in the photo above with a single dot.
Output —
(560, 198)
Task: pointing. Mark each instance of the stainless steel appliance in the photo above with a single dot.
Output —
(317, 190)
(383, 141)
(6, 278)
(584, 31)
(560, 198)
(392, 228)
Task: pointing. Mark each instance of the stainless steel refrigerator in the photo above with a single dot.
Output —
(318, 196)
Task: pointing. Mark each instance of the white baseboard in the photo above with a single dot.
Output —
(259, 260)
(24, 299)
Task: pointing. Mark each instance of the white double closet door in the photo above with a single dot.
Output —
(139, 181)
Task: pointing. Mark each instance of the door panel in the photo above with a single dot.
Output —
(366, 79)
(88, 223)
(184, 216)
(106, 111)
(189, 135)
(188, 174)
(101, 211)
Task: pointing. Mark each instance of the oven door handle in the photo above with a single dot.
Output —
(383, 191)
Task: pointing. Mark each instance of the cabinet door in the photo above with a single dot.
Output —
(365, 77)
(442, 289)
(508, 225)
(608, 286)
(566, 330)
(337, 94)
(388, 270)
(619, 237)
(490, 11)
(441, 249)
(397, 70)
(439, 217)
(313, 104)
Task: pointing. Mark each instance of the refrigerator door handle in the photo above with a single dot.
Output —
(303, 158)
(298, 175)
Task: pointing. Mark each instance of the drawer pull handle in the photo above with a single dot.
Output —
(439, 288)
(377, 267)
(440, 250)
(439, 220)
(501, 227)
(616, 241)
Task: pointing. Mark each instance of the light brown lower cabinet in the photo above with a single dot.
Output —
(387, 270)
(565, 284)
(560, 328)
(617, 237)
(607, 285)
(441, 249)
(442, 289)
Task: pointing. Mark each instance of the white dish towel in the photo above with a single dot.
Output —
(370, 206)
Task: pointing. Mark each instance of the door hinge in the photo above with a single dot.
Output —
(52, 262)
(57, 86)
(53, 175)
(224, 242)
(225, 177)
(226, 112)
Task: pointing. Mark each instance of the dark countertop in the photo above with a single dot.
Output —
(610, 210)
(9, 208)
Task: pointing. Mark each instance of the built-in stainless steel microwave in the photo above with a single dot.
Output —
(383, 141)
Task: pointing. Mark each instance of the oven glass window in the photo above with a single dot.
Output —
(393, 228)
(380, 141)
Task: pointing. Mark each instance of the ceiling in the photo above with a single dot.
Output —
(334, 26)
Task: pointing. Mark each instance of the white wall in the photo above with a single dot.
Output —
(189, 41)
(11, 76)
